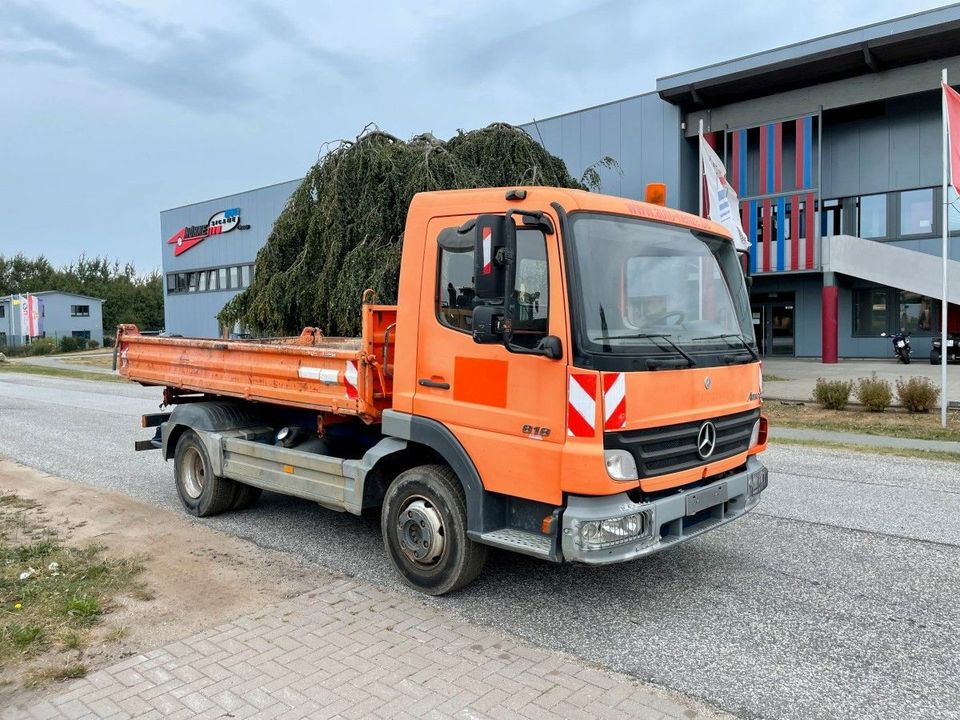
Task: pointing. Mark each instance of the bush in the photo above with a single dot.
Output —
(918, 394)
(92, 344)
(874, 393)
(72, 344)
(41, 346)
(832, 394)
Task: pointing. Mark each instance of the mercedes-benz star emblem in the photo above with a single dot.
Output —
(707, 382)
(706, 440)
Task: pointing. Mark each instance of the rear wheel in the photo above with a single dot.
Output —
(424, 525)
(201, 492)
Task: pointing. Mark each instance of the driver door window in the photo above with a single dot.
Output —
(532, 296)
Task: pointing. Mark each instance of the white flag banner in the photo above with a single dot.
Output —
(721, 202)
(24, 315)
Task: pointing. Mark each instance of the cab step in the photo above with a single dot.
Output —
(521, 541)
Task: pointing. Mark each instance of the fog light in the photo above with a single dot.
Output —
(612, 531)
(620, 465)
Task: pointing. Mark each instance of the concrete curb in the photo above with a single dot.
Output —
(879, 441)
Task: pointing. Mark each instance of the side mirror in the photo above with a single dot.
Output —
(487, 324)
(489, 273)
(551, 347)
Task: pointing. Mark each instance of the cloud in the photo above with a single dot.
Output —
(274, 23)
(182, 68)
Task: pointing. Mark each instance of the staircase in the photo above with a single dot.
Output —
(886, 264)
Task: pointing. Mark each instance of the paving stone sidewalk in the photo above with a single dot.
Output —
(352, 650)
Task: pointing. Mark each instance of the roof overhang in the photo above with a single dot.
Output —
(891, 44)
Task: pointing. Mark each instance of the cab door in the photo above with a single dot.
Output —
(506, 408)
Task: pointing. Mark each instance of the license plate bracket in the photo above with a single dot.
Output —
(706, 497)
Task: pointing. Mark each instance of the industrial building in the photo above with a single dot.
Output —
(833, 145)
(58, 315)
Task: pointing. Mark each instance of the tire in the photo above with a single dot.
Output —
(426, 504)
(201, 492)
(246, 497)
(935, 358)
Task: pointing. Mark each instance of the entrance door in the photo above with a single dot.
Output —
(773, 322)
(781, 330)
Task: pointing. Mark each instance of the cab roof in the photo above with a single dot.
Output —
(493, 200)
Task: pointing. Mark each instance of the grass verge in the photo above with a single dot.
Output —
(893, 422)
(871, 450)
(25, 369)
(52, 596)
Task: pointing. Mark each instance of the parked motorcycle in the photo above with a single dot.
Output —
(901, 346)
(953, 349)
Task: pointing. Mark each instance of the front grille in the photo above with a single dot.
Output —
(663, 450)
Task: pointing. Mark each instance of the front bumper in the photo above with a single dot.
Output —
(667, 521)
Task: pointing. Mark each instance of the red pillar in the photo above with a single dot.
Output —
(829, 301)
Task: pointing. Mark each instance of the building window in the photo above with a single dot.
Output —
(916, 212)
(831, 218)
(80, 334)
(79, 311)
(222, 275)
(234, 277)
(953, 210)
(915, 313)
(887, 310)
(870, 311)
(244, 276)
(872, 216)
(3, 311)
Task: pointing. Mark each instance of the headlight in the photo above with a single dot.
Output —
(613, 531)
(620, 465)
(755, 434)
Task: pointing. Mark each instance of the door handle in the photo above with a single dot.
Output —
(426, 382)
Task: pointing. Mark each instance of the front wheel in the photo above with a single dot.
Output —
(424, 525)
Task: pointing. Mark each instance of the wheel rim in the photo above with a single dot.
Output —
(420, 531)
(193, 473)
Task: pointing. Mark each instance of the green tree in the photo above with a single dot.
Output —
(129, 296)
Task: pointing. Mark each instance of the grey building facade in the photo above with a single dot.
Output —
(62, 314)
(209, 254)
(833, 145)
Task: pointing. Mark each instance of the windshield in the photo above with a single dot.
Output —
(648, 288)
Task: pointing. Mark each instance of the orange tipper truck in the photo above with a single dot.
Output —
(566, 375)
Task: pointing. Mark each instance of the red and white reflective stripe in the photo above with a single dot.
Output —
(614, 401)
(582, 406)
(487, 251)
(350, 380)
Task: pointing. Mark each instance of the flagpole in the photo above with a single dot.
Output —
(944, 223)
(700, 153)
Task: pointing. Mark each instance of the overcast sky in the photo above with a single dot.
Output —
(113, 111)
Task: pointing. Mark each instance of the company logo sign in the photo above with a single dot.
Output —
(218, 224)
(706, 440)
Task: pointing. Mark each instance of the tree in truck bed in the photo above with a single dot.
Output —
(341, 231)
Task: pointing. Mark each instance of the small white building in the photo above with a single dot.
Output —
(61, 314)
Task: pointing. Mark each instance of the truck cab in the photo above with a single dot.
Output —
(590, 354)
(566, 375)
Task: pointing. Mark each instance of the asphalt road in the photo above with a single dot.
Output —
(838, 597)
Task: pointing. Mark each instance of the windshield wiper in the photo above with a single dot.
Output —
(650, 336)
(727, 336)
